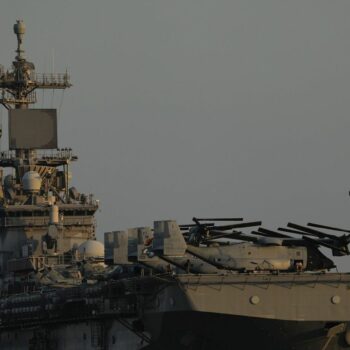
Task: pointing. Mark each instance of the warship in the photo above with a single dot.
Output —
(215, 283)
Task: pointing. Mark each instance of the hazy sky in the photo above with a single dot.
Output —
(186, 108)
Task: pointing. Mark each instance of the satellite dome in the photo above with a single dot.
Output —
(31, 181)
(91, 249)
(19, 27)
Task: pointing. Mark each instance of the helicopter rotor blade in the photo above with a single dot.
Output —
(290, 231)
(187, 227)
(328, 227)
(257, 233)
(337, 243)
(220, 234)
(218, 219)
(311, 231)
(325, 244)
(269, 233)
(241, 225)
(233, 235)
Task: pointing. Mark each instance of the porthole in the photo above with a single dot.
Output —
(335, 299)
(254, 300)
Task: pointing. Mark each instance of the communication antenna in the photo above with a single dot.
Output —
(53, 60)
(18, 87)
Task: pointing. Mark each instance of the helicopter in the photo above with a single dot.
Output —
(200, 247)
(261, 250)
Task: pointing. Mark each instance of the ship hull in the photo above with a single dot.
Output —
(88, 335)
(201, 331)
(188, 312)
(187, 330)
(265, 311)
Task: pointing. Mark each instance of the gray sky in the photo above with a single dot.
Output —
(198, 107)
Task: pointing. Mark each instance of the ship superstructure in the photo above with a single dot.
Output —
(42, 219)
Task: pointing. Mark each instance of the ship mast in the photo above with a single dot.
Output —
(18, 87)
(17, 92)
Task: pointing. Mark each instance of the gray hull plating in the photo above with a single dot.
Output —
(72, 336)
(198, 331)
(264, 311)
